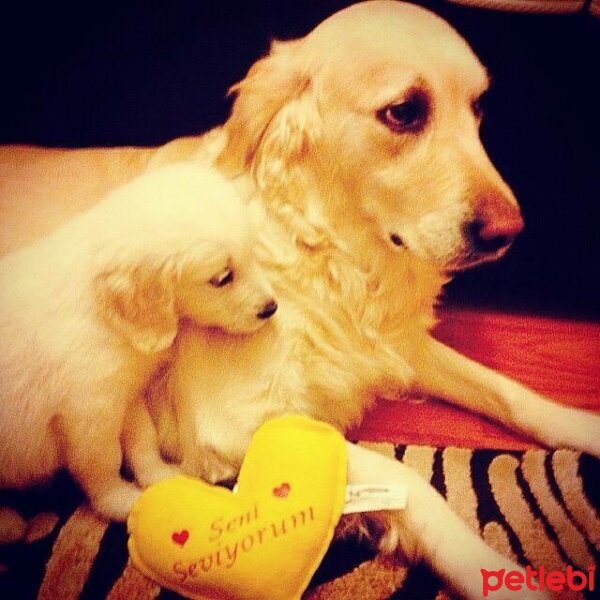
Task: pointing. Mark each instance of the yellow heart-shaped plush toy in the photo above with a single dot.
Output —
(263, 541)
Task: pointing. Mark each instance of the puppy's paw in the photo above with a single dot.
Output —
(159, 471)
(115, 502)
(210, 465)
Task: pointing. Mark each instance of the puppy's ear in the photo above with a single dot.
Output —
(138, 301)
(274, 116)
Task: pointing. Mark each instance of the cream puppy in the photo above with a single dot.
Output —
(88, 313)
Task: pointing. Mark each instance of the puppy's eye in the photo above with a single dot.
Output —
(222, 279)
(406, 117)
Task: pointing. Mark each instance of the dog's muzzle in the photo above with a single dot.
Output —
(495, 237)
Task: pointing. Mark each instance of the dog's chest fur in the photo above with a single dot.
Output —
(350, 324)
(355, 319)
(352, 320)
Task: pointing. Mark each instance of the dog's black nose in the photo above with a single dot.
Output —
(268, 310)
(486, 239)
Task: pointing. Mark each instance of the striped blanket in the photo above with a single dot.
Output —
(539, 507)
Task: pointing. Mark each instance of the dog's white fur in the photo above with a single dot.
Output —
(88, 313)
(313, 142)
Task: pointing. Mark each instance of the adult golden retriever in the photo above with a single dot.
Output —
(360, 142)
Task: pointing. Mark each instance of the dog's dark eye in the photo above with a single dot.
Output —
(406, 117)
(222, 278)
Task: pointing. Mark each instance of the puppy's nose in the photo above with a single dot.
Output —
(268, 310)
(494, 235)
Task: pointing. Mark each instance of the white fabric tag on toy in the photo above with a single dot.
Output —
(372, 497)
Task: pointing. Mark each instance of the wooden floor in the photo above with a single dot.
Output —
(560, 358)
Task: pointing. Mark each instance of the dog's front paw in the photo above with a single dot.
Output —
(567, 427)
(589, 436)
(385, 531)
(160, 472)
(153, 469)
(115, 502)
(210, 465)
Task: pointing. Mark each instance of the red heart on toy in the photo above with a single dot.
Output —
(181, 537)
(282, 491)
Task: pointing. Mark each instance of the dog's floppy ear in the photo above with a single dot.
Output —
(273, 116)
(139, 302)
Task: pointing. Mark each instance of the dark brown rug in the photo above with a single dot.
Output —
(539, 507)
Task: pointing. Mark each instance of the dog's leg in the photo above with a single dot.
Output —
(427, 529)
(93, 456)
(140, 447)
(445, 373)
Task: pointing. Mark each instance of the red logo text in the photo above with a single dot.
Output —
(555, 581)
